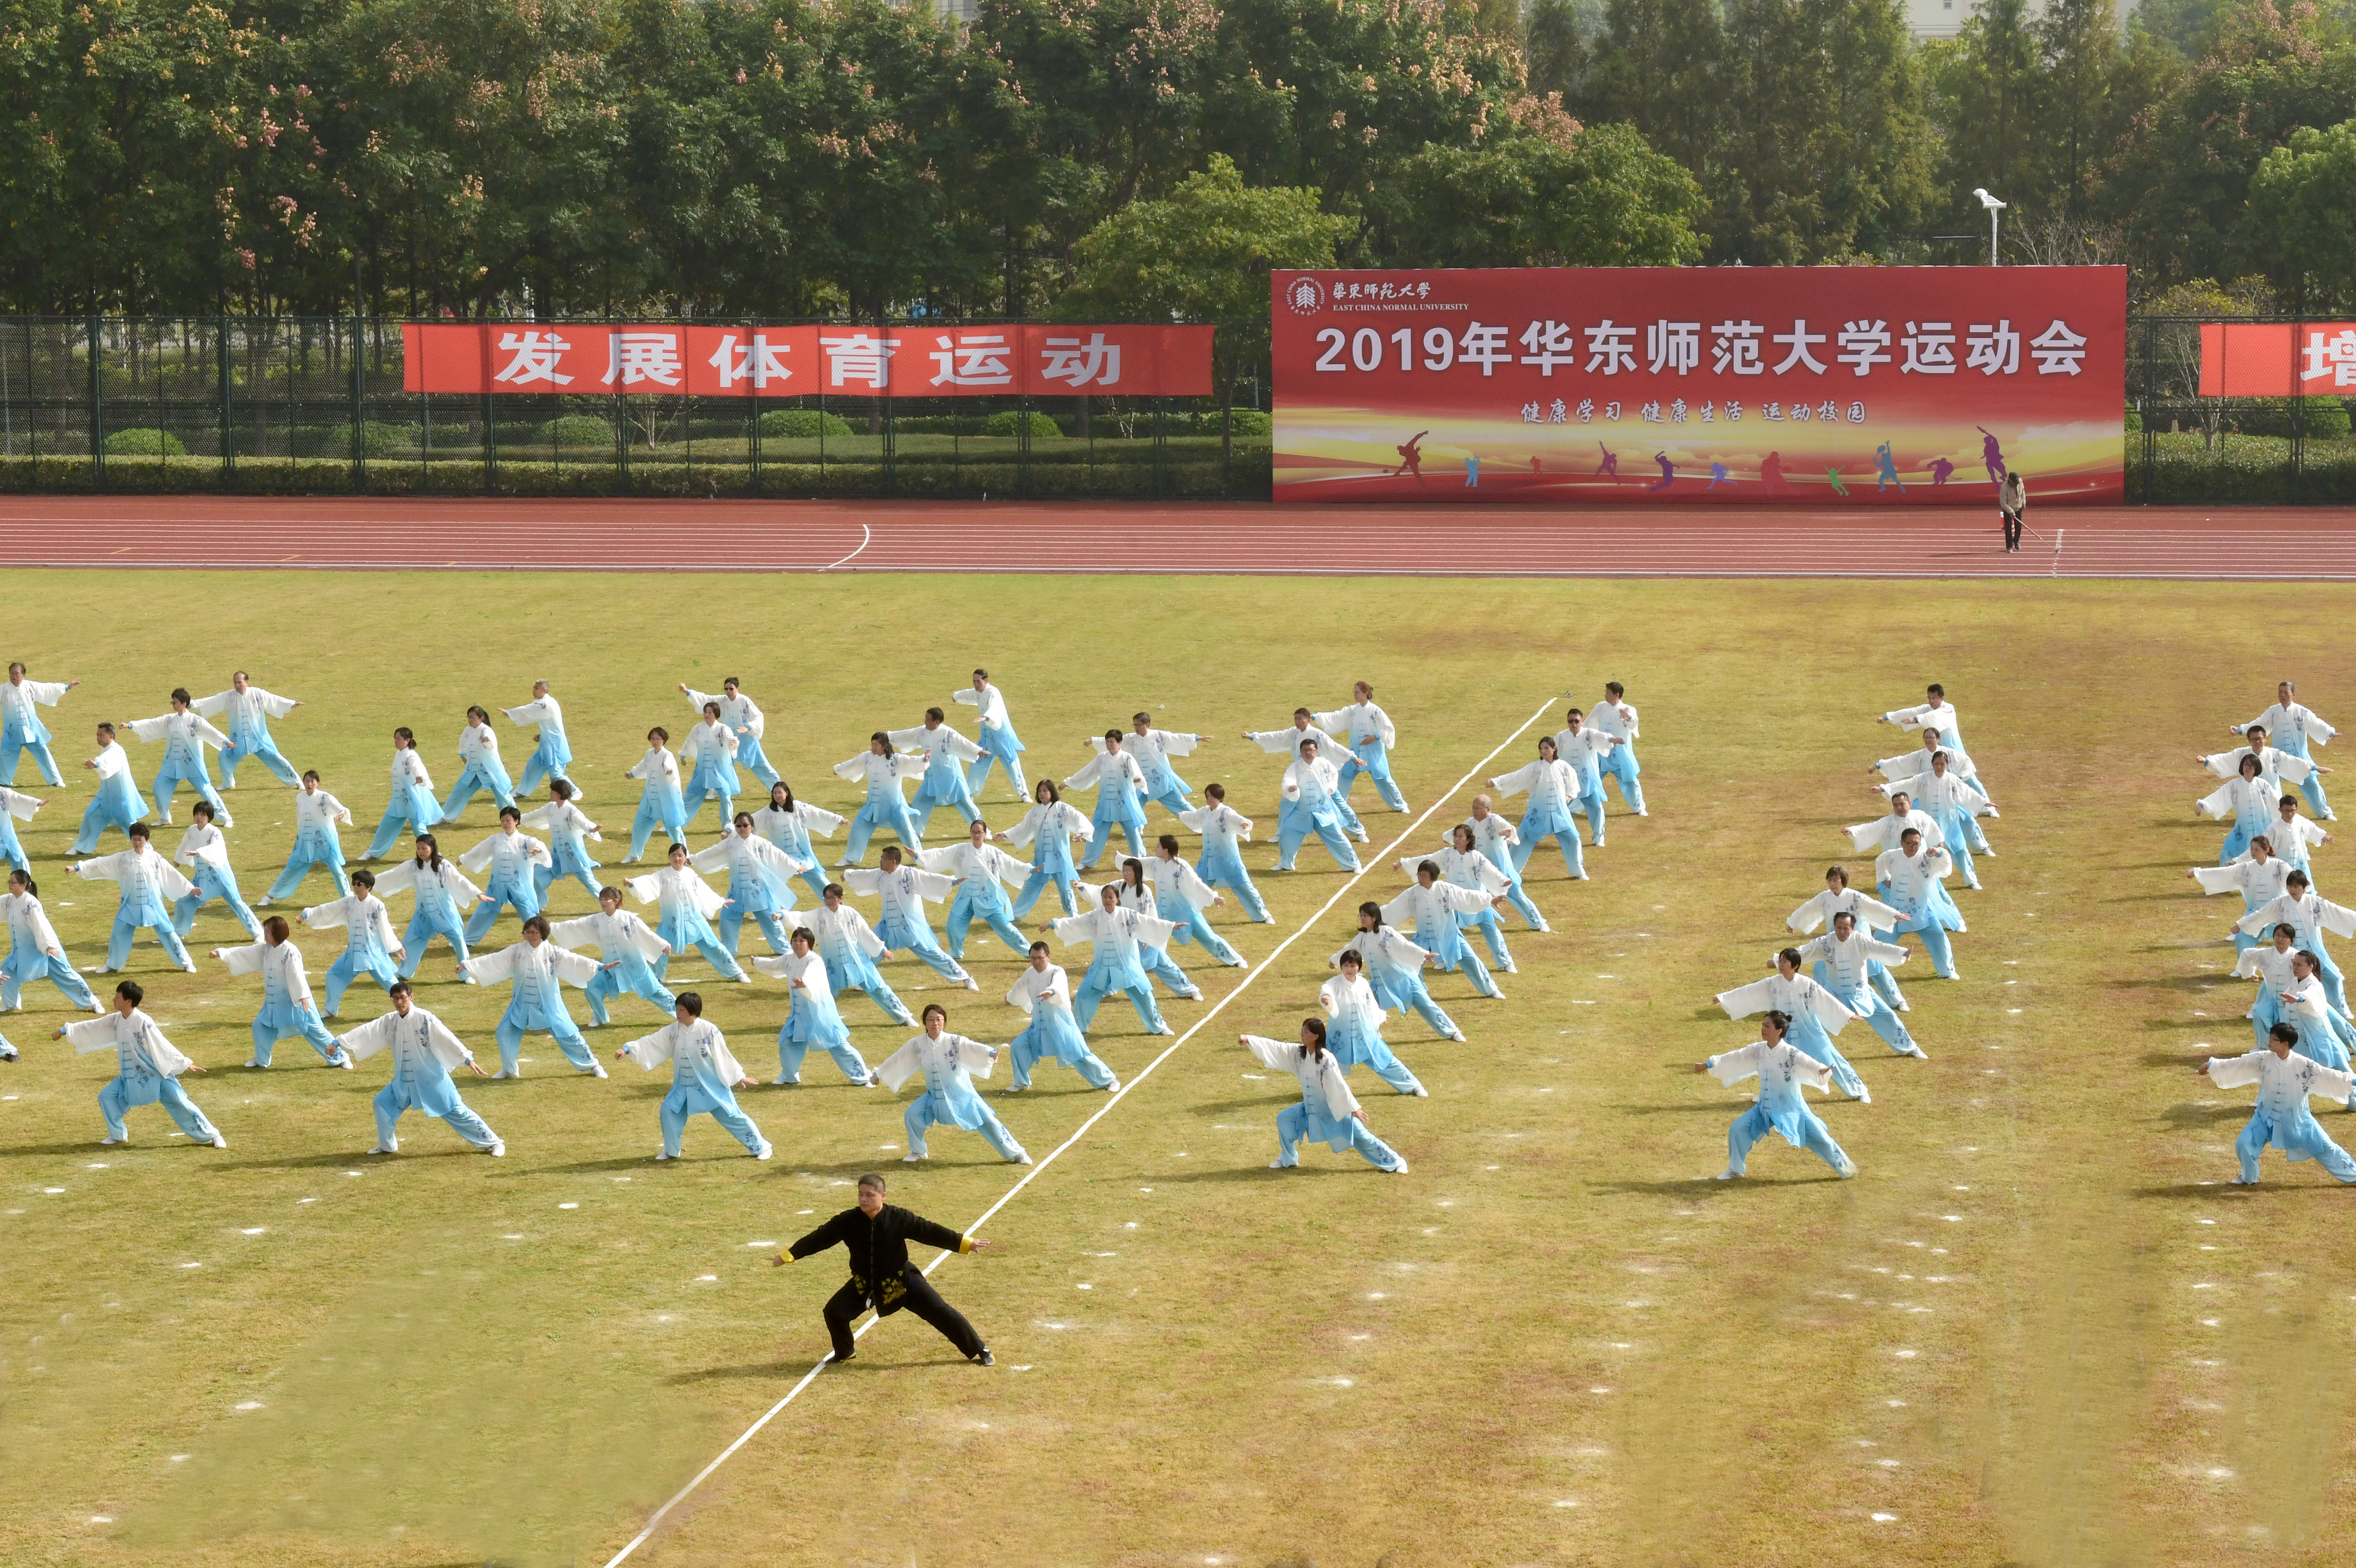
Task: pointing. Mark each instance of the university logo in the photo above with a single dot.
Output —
(1305, 295)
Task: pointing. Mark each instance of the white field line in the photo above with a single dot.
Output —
(1367, 864)
(865, 534)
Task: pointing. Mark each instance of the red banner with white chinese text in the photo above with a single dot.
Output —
(1028, 358)
(1847, 386)
(2277, 360)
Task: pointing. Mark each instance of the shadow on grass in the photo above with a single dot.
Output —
(353, 1160)
(1683, 1187)
(30, 1151)
(623, 1162)
(1262, 1172)
(781, 1371)
(1696, 1106)
(2219, 1189)
(2184, 1119)
(1277, 1097)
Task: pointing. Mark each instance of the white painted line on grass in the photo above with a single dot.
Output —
(1367, 864)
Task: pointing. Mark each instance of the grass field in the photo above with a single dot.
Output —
(2039, 1330)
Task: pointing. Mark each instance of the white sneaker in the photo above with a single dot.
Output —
(1421, 1093)
(1399, 1169)
(1989, 853)
(386, 1148)
(1458, 1036)
(764, 1151)
(595, 1070)
(1917, 1052)
(661, 1158)
(256, 1066)
(263, 903)
(109, 1143)
(1728, 1174)
(1277, 1165)
(344, 1062)
(1508, 968)
(910, 1159)
(1113, 1087)
(1864, 1096)
(1848, 1170)
(1195, 995)
(219, 1142)
(782, 1079)
(497, 1150)
(971, 983)
(508, 1073)
(1021, 1159)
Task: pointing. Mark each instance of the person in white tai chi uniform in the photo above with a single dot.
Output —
(1371, 737)
(185, 734)
(249, 709)
(553, 756)
(148, 1068)
(1869, 916)
(744, 719)
(999, 743)
(1616, 717)
(946, 755)
(1327, 1111)
(1043, 993)
(1781, 1068)
(1815, 1013)
(704, 1077)
(21, 728)
(2296, 729)
(2282, 1119)
(947, 1062)
(424, 1054)
(1305, 734)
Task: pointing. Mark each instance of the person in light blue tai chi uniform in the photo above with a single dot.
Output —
(34, 951)
(1583, 748)
(512, 860)
(2312, 915)
(249, 709)
(149, 886)
(538, 970)
(2248, 799)
(1462, 865)
(480, 770)
(1433, 909)
(1184, 899)
(1313, 805)
(1153, 750)
(1327, 1112)
(686, 905)
(850, 949)
(886, 771)
(745, 720)
(287, 1010)
(1616, 717)
(704, 1077)
(568, 831)
(2258, 876)
(995, 732)
(1495, 837)
(21, 728)
(1814, 1011)
(1043, 992)
(1908, 878)
(2294, 728)
(1049, 829)
(1120, 795)
(185, 735)
(947, 1062)
(369, 945)
(443, 892)
(1355, 1026)
(1302, 734)
(554, 756)
(2282, 1119)
(660, 808)
(316, 844)
(981, 873)
(1868, 915)
(148, 1068)
(1117, 935)
(946, 755)
(118, 802)
(1554, 789)
(15, 806)
(813, 1018)
(1221, 863)
(1842, 961)
(1395, 970)
(1370, 736)
(900, 920)
(412, 806)
(789, 823)
(1781, 1068)
(710, 752)
(424, 1054)
(630, 946)
(1135, 892)
(205, 853)
(760, 882)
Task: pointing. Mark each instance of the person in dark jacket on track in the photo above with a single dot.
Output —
(877, 1235)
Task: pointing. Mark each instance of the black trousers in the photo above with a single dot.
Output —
(2012, 530)
(922, 1299)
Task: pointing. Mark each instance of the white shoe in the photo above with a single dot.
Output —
(910, 1159)
(1917, 1052)
(1421, 1093)
(1728, 1174)
(1543, 926)
(1643, 814)
(219, 1142)
(1021, 1159)
(661, 1158)
(189, 967)
(1195, 995)
(1457, 1037)
(783, 1079)
(1399, 1169)
(497, 1150)
(508, 1073)
(109, 1143)
(764, 1151)
(1239, 962)
(1848, 1170)
(1508, 968)
(1278, 1164)
(971, 983)
(263, 903)
(257, 1066)
(1496, 996)
(1989, 853)
(595, 1069)
(386, 1148)
(1113, 1087)
(344, 1062)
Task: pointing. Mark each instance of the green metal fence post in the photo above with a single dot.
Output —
(227, 422)
(97, 411)
(360, 446)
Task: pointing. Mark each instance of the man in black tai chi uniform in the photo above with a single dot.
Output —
(877, 1236)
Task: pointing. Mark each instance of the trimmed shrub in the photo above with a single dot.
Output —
(378, 439)
(577, 431)
(2135, 420)
(1015, 422)
(802, 424)
(145, 440)
(2327, 418)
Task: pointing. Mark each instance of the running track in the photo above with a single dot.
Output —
(356, 533)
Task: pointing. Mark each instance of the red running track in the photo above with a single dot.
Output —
(360, 533)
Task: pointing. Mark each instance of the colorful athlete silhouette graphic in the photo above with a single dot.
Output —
(1719, 475)
(1610, 463)
(1833, 478)
(1888, 463)
(1411, 457)
(1471, 470)
(1771, 474)
(1535, 468)
(1668, 473)
(1991, 454)
(1940, 469)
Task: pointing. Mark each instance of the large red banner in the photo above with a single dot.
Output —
(1040, 361)
(2276, 360)
(1851, 386)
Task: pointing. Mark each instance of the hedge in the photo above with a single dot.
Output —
(144, 442)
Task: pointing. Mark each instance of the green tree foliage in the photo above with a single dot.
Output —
(2303, 200)
(1203, 255)
(1597, 197)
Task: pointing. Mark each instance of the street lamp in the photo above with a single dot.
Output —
(1994, 207)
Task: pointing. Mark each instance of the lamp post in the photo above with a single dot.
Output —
(1994, 207)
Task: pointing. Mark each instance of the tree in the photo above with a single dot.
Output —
(2303, 200)
(1592, 198)
(1993, 83)
(2177, 373)
(1202, 254)
(1554, 48)
(1661, 69)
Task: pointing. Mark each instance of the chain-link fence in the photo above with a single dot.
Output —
(315, 405)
